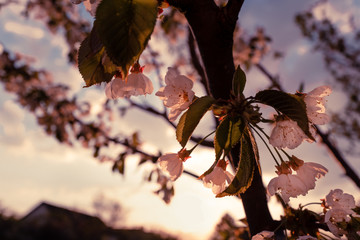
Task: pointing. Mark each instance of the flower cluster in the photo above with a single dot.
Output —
(292, 185)
(136, 84)
(340, 205)
(287, 133)
(177, 95)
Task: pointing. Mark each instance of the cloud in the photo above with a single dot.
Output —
(341, 18)
(24, 30)
(11, 121)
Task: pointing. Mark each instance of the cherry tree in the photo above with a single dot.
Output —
(113, 53)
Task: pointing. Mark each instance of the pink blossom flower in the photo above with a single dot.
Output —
(334, 229)
(315, 105)
(286, 133)
(177, 94)
(338, 215)
(137, 84)
(217, 180)
(263, 235)
(338, 199)
(287, 185)
(340, 207)
(172, 163)
(309, 172)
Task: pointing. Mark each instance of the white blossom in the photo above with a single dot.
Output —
(338, 215)
(315, 105)
(309, 172)
(177, 94)
(172, 164)
(263, 235)
(217, 180)
(338, 199)
(137, 84)
(287, 185)
(287, 133)
(335, 229)
(340, 206)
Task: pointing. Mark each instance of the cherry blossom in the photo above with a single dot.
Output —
(217, 179)
(338, 199)
(308, 172)
(335, 229)
(286, 133)
(263, 235)
(340, 207)
(287, 185)
(137, 84)
(172, 163)
(315, 102)
(177, 94)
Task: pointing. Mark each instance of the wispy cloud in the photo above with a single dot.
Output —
(24, 30)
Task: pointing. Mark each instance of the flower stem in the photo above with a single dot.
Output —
(281, 159)
(192, 149)
(267, 146)
(286, 153)
(312, 203)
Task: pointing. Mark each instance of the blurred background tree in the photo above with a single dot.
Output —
(71, 121)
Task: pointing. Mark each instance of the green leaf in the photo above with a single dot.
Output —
(255, 149)
(239, 81)
(209, 170)
(228, 133)
(90, 61)
(222, 135)
(291, 105)
(125, 28)
(191, 118)
(218, 150)
(245, 171)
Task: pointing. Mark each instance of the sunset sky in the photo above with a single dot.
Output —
(34, 167)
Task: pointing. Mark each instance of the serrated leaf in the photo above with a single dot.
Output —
(255, 150)
(218, 149)
(228, 133)
(289, 104)
(222, 134)
(125, 28)
(89, 61)
(191, 118)
(209, 170)
(239, 81)
(245, 171)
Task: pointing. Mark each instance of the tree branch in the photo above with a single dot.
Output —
(213, 28)
(196, 62)
(149, 109)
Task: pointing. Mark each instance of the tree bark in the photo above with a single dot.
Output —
(213, 29)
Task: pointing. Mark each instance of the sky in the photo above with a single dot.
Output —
(35, 167)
